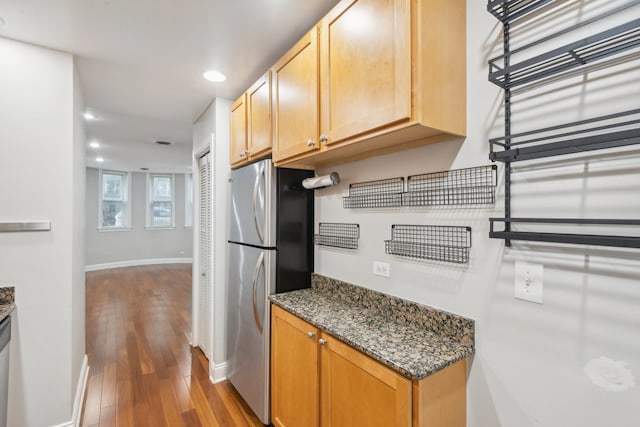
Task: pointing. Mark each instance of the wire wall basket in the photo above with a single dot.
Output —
(430, 242)
(338, 235)
(470, 186)
(383, 193)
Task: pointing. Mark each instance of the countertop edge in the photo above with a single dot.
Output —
(6, 310)
(466, 351)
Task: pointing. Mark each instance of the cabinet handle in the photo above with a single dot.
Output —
(323, 138)
(243, 154)
(310, 143)
(322, 341)
(311, 334)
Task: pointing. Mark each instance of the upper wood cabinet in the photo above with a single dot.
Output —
(295, 100)
(259, 117)
(393, 76)
(365, 60)
(251, 130)
(238, 132)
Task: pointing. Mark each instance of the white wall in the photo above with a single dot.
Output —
(40, 180)
(529, 366)
(138, 245)
(211, 133)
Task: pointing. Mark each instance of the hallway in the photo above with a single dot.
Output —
(143, 371)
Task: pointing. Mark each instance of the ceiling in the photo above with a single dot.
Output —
(140, 63)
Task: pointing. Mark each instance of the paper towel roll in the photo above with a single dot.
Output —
(321, 181)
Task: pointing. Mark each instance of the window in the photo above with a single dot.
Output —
(114, 211)
(188, 200)
(160, 211)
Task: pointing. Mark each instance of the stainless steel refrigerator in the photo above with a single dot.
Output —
(270, 251)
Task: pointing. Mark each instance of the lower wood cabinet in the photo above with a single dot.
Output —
(294, 371)
(356, 390)
(317, 380)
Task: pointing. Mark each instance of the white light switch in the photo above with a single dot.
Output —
(528, 281)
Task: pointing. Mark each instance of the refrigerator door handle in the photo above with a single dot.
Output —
(255, 212)
(256, 315)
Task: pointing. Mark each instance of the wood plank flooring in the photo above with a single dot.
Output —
(143, 371)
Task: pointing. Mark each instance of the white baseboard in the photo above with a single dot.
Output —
(218, 372)
(137, 262)
(79, 399)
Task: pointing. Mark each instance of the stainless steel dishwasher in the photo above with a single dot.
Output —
(5, 338)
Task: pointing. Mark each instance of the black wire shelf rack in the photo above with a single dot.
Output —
(615, 240)
(469, 186)
(556, 61)
(605, 132)
(338, 235)
(383, 193)
(430, 242)
(509, 10)
(610, 131)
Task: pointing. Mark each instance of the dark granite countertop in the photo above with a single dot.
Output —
(7, 301)
(403, 344)
(5, 310)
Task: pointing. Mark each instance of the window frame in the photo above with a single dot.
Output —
(188, 200)
(150, 201)
(126, 196)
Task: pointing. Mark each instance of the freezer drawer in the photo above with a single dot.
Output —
(251, 280)
(253, 203)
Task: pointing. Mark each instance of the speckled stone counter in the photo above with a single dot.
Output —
(7, 301)
(410, 338)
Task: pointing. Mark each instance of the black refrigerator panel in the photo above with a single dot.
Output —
(294, 230)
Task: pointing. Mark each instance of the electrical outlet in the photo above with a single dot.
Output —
(528, 281)
(381, 269)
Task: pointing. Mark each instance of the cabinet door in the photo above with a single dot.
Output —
(359, 391)
(238, 148)
(295, 104)
(365, 64)
(294, 371)
(259, 117)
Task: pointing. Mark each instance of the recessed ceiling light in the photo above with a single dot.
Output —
(89, 116)
(163, 142)
(99, 159)
(214, 76)
(144, 169)
(94, 144)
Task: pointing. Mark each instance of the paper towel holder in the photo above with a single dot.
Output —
(318, 182)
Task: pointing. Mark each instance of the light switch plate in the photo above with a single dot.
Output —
(528, 284)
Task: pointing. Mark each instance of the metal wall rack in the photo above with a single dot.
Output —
(338, 235)
(610, 131)
(383, 193)
(469, 186)
(430, 242)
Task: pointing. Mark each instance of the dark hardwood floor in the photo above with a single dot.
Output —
(143, 371)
